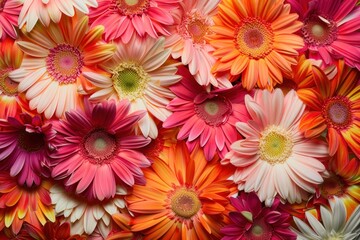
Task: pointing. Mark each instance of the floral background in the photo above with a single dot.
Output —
(179, 119)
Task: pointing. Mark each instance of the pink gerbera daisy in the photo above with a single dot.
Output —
(206, 118)
(188, 40)
(55, 57)
(331, 29)
(9, 12)
(46, 10)
(25, 145)
(252, 221)
(97, 149)
(275, 157)
(124, 18)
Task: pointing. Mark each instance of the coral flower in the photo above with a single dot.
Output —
(140, 73)
(123, 19)
(188, 40)
(10, 59)
(46, 10)
(256, 38)
(83, 215)
(185, 197)
(9, 12)
(54, 60)
(275, 158)
(25, 145)
(19, 204)
(335, 106)
(330, 29)
(97, 150)
(253, 221)
(207, 118)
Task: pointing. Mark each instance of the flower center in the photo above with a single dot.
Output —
(214, 111)
(132, 7)
(7, 86)
(194, 27)
(254, 38)
(64, 63)
(259, 231)
(319, 31)
(130, 81)
(333, 186)
(99, 146)
(275, 145)
(185, 203)
(337, 112)
(335, 236)
(31, 142)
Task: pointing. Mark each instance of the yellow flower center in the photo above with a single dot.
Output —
(254, 38)
(99, 146)
(185, 203)
(337, 112)
(132, 7)
(7, 86)
(275, 145)
(335, 236)
(130, 81)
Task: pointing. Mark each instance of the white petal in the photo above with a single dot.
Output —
(316, 225)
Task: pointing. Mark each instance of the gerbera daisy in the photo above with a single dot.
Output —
(330, 29)
(256, 38)
(275, 158)
(46, 10)
(123, 19)
(97, 149)
(335, 106)
(25, 144)
(333, 226)
(83, 215)
(54, 60)
(206, 118)
(121, 228)
(10, 59)
(139, 73)
(188, 40)
(9, 12)
(185, 198)
(253, 221)
(19, 204)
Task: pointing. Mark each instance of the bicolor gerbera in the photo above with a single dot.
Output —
(334, 224)
(83, 215)
(9, 13)
(275, 158)
(140, 73)
(206, 118)
(185, 197)
(124, 19)
(51, 10)
(54, 60)
(188, 40)
(252, 220)
(19, 204)
(25, 145)
(334, 105)
(330, 29)
(256, 38)
(10, 59)
(96, 150)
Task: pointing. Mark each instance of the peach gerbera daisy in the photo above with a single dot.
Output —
(334, 105)
(19, 204)
(188, 40)
(140, 73)
(54, 60)
(97, 149)
(275, 158)
(9, 12)
(46, 10)
(124, 18)
(256, 38)
(185, 198)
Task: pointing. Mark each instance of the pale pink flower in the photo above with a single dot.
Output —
(275, 158)
(9, 13)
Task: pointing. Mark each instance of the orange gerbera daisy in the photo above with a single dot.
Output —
(185, 197)
(256, 38)
(335, 106)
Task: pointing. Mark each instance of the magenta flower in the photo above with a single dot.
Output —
(253, 221)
